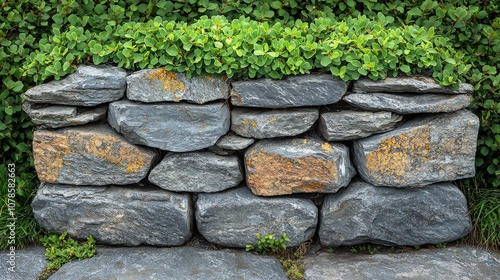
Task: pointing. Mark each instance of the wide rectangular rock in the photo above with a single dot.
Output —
(157, 85)
(415, 84)
(260, 124)
(63, 116)
(89, 86)
(294, 91)
(350, 125)
(234, 217)
(425, 150)
(297, 165)
(115, 215)
(364, 213)
(176, 127)
(89, 155)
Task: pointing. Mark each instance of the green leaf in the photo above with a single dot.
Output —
(495, 128)
(172, 51)
(9, 111)
(405, 68)
(325, 61)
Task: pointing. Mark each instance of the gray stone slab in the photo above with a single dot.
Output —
(350, 125)
(197, 172)
(63, 116)
(234, 142)
(157, 85)
(260, 124)
(416, 84)
(115, 215)
(425, 150)
(233, 218)
(408, 103)
(297, 165)
(171, 264)
(466, 263)
(294, 91)
(89, 155)
(22, 264)
(89, 86)
(176, 127)
(364, 213)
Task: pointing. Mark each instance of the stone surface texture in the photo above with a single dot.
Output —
(416, 84)
(88, 86)
(29, 262)
(408, 103)
(197, 172)
(115, 215)
(234, 142)
(63, 116)
(388, 216)
(89, 155)
(294, 91)
(176, 127)
(260, 124)
(233, 218)
(350, 125)
(425, 150)
(172, 264)
(298, 165)
(442, 264)
(157, 85)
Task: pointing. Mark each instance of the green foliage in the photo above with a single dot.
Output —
(293, 266)
(486, 215)
(60, 249)
(268, 243)
(441, 245)
(365, 248)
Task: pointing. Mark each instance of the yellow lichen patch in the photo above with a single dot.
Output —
(272, 174)
(254, 124)
(326, 147)
(273, 119)
(169, 80)
(398, 155)
(49, 149)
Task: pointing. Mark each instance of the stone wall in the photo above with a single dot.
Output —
(150, 157)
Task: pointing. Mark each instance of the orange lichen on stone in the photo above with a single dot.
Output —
(326, 147)
(401, 154)
(272, 174)
(49, 149)
(169, 80)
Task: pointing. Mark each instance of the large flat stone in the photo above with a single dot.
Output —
(63, 116)
(172, 264)
(89, 86)
(176, 127)
(425, 150)
(443, 264)
(408, 103)
(294, 91)
(416, 84)
(298, 165)
(233, 218)
(260, 124)
(115, 215)
(89, 155)
(350, 125)
(364, 213)
(22, 264)
(197, 172)
(157, 85)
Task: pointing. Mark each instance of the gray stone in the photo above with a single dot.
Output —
(260, 124)
(128, 216)
(416, 84)
(297, 165)
(157, 85)
(172, 264)
(294, 91)
(89, 155)
(350, 125)
(466, 263)
(408, 103)
(22, 264)
(62, 116)
(233, 142)
(234, 217)
(176, 127)
(88, 86)
(197, 172)
(388, 216)
(219, 151)
(425, 150)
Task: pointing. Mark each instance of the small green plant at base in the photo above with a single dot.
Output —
(441, 245)
(366, 248)
(268, 243)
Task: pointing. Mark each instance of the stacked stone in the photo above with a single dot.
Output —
(239, 172)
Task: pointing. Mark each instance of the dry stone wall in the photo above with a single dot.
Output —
(151, 156)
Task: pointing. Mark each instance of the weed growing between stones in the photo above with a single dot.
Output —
(366, 248)
(268, 243)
